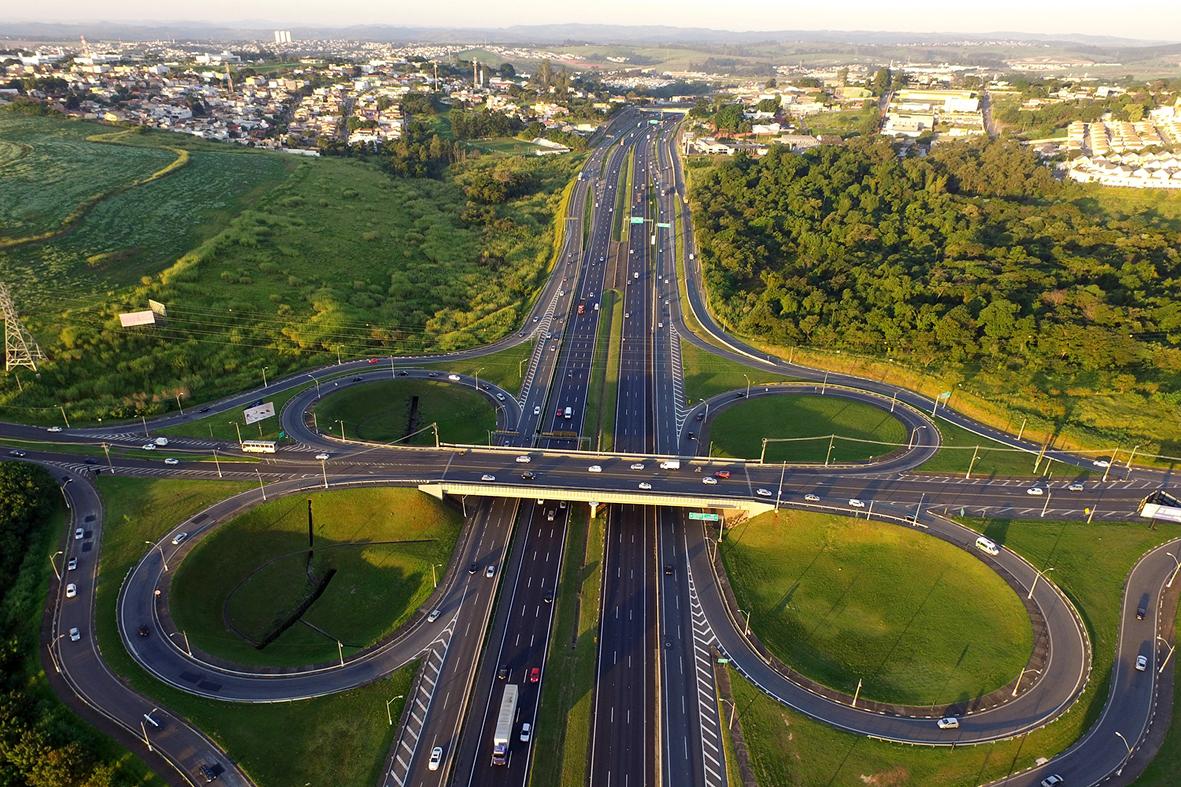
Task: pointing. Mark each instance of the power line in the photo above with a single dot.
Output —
(20, 348)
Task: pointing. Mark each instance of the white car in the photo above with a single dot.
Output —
(179, 538)
(645, 485)
(1102, 463)
(709, 480)
(1141, 663)
(453, 378)
(637, 465)
(149, 446)
(436, 758)
(812, 498)
(54, 429)
(323, 457)
(763, 492)
(431, 618)
(595, 469)
(537, 409)
(78, 533)
(71, 590)
(172, 461)
(949, 723)
(526, 731)
(1076, 487)
(72, 564)
(1052, 781)
(75, 635)
(1036, 491)
(487, 477)
(490, 571)
(855, 503)
(500, 397)
(523, 459)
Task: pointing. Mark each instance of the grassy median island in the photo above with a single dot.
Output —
(240, 592)
(390, 410)
(340, 739)
(916, 619)
(739, 428)
(1091, 563)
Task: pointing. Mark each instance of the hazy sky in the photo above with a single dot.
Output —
(1131, 18)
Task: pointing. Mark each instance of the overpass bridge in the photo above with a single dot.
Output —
(596, 497)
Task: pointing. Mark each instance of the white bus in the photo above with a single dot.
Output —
(258, 446)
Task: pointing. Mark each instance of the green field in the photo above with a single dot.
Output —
(917, 620)
(253, 572)
(708, 375)
(738, 430)
(564, 713)
(261, 259)
(338, 739)
(1091, 563)
(958, 445)
(611, 373)
(381, 412)
(221, 426)
(504, 368)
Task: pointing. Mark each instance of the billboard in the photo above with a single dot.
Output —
(255, 414)
(157, 307)
(134, 319)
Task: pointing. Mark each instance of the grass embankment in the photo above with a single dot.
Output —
(221, 426)
(504, 368)
(593, 428)
(708, 375)
(1091, 563)
(959, 445)
(389, 410)
(622, 197)
(341, 739)
(738, 430)
(253, 572)
(564, 715)
(919, 621)
(611, 374)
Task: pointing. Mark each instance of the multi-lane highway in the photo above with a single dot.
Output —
(663, 612)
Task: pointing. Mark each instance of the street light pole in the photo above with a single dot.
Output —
(477, 377)
(179, 406)
(216, 463)
(163, 559)
(1173, 576)
(747, 376)
(341, 422)
(779, 491)
(107, 451)
(264, 376)
(317, 382)
(53, 562)
(388, 703)
(340, 651)
(239, 431)
(919, 509)
(1128, 746)
(968, 475)
(1046, 505)
(261, 488)
(1035, 579)
(62, 407)
(857, 693)
(1022, 675)
(828, 456)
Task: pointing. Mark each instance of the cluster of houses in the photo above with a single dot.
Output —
(949, 113)
(1132, 170)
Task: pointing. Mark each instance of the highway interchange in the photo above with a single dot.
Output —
(664, 616)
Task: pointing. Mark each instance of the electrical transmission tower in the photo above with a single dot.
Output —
(20, 348)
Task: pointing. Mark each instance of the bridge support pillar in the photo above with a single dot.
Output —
(594, 509)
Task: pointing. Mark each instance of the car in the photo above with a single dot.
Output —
(645, 485)
(75, 635)
(1076, 487)
(691, 436)
(206, 409)
(453, 378)
(535, 675)
(17, 454)
(537, 409)
(1051, 781)
(700, 415)
(1102, 463)
(627, 315)
(855, 503)
(473, 568)
(948, 723)
(209, 773)
(149, 446)
(179, 538)
(637, 466)
(71, 590)
(526, 729)
(710, 480)
(722, 474)
(143, 632)
(78, 533)
(403, 374)
(487, 477)
(1036, 491)
(432, 374)
(436, 759)
(595, 469)
(1141, 663)
(72, 564)
(371, 361)
(987, 546)
(490, 571)
(356, 379)
(431, 618)
(763, 492)
(172, 460)
(528, 475)
(323, 457)
(500, 397)
(54, 429)
(668, 569)
(90, 460)
(523, 459)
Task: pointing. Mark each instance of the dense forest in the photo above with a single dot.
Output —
(41, 744)
(973, 260)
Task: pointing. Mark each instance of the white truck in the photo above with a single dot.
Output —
(504, 725)
(670, 464)
(161, 441)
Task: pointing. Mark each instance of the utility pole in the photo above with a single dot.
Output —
(968, 475)
(144, 419)
(20, 348)
(824, 385)
(62, 407)
(1021, 431)
(239, 431)
(216, 463)
(324, 470)
(857, 693)
(828, 456)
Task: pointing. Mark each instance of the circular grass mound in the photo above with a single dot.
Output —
(917, 620)
(391, 409)
(251, 594)
(738, 430)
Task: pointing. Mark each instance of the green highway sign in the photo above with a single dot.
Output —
(637, 219)
(700, 517)
(664, 224)
(723, 661)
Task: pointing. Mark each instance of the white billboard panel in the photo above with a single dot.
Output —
(261, 413)
(133, 319)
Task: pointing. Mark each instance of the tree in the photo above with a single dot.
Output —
(507, 70)
(1134, 112)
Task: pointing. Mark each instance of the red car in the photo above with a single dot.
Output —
(722, 474)
(372, 361)
(535, 675)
